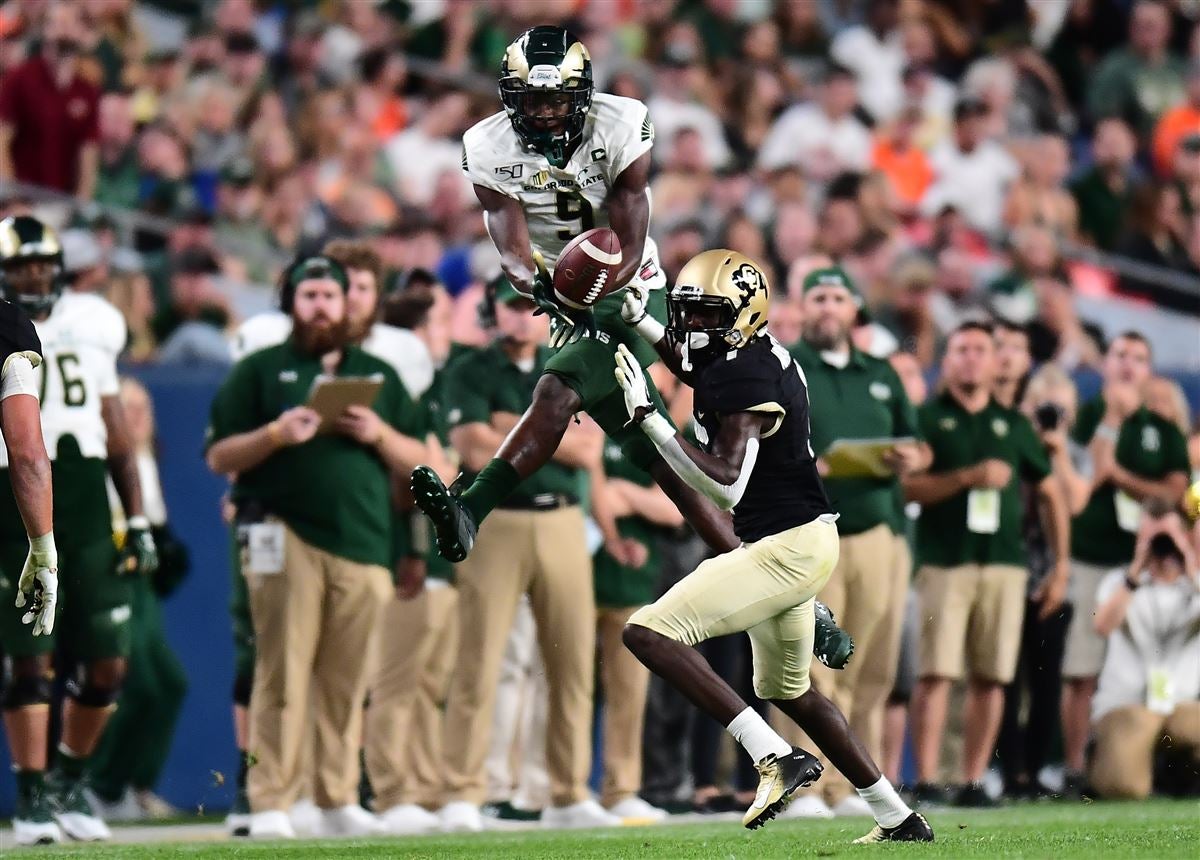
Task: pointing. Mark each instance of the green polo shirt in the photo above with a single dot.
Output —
(332, 491)
(960, 439)
(487, 381)
(1149, 446)
(618, 586)
(863, 400)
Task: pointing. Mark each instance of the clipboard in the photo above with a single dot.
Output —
(331, 395)
(862, 458)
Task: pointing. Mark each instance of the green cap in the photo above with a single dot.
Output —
(318, 268)
(505, 293)
(832, 276)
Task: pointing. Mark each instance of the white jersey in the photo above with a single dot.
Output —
(81, 339)
(560, 204)
(399, 347)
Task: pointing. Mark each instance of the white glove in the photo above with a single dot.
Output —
(633, 312)
(39, 580)
(633, 383)
(633, 309)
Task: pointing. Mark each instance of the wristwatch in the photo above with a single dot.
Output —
(1132, 583)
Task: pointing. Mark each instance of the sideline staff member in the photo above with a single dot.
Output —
(319, 509)
(972, 574)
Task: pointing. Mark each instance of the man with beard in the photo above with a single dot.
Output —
(315, 511)
(855, 396)
(399, 347)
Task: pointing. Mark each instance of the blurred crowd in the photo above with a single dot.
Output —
(954, 157)
(956, 163)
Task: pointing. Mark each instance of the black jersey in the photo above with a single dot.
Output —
(17, 333)
(784, 490)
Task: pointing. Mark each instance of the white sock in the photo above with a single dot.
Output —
(887, 807)
(760, 740)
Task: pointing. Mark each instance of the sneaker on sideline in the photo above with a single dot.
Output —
(586, 813)
(807, 806)
(349, 820)
(408, 819)
(272, 824)
(635, 809)
(460, 816)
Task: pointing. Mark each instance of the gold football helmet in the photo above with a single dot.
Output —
(720, 295)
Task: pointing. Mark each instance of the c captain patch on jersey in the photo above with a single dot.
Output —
(587, 267)
(561, 203)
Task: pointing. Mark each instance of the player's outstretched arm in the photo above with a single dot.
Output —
(721, 475)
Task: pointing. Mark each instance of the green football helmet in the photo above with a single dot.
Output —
(546, 87)
(24, 239)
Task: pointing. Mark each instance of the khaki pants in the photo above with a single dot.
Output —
(1126, 738)
(765, 588)
(315, 625)
(542, 553)
(625, 681)
(515, 766)
(403, 742)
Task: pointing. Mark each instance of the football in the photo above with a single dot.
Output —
(587, 268)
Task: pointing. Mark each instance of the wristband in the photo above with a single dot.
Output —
(658, 428)
(650, 329)
(1107, 432)
(140, 522)
(43, 552)
(1131, 583)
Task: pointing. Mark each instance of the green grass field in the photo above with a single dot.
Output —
(1156, 829)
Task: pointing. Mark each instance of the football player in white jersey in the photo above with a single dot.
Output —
(558, 160)
(83, 426)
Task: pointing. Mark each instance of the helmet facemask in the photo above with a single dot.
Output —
(546, 88)
(699, 324)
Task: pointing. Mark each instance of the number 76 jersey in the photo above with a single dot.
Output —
(81, 339)
(561, 203)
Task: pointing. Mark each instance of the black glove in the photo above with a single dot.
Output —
(138, 555)
(567, 325)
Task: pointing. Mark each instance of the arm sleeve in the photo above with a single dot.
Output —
(632, 139)
(724, 496)
(925, 430)
(18, 375)
(404, 414)
(1035, 464)
(464, 401)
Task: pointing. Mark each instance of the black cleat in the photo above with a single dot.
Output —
(912, 829)
(929, 794)
(973, 796)
(778, 780)
(831, 644)
(453, 526)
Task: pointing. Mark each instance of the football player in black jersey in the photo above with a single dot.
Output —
(751, 411)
